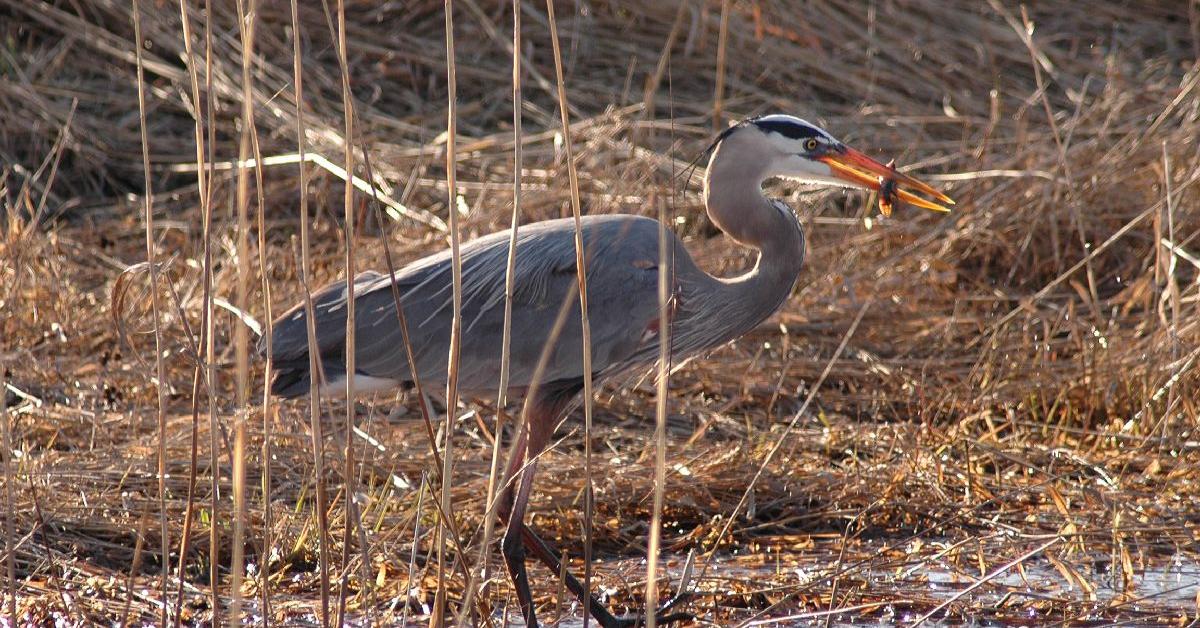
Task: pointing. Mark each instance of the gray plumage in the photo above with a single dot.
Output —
(622, 261)
(621, 252)
(622, 265)
(621, 255)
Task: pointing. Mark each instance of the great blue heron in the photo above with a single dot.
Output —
(622, 259)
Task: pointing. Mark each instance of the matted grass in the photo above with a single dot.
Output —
(1016, 411)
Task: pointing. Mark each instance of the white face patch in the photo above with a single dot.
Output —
(788, 142)
(804, 170)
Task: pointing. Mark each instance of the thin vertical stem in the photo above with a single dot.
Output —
(159, 370)
(456, 321)
(581, 277)
(188, 515)
(348, 229)
(205, 368)
(210, 346)
(264, 585)
(719, 91)
(1172, 287)
(412, 556)
(237, 559)
(10, 534)
(402, 322)
(494, 480)
(138, 545)
(241, 340)
(660, 414)
(314, 366)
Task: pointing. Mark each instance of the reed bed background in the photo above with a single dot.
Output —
(1006, 428)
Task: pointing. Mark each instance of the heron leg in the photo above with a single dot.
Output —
(542, 414)
(512, 511)
(606, 619)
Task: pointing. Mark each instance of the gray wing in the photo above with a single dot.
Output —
(622, 258)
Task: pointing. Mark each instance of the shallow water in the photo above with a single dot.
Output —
(1171, 586)
(901, 594)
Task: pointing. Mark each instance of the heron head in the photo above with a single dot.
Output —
(800, 150)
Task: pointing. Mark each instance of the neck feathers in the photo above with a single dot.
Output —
(736, 204)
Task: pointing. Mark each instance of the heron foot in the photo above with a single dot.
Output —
(662, 616)
(633, 621)
(605, 619)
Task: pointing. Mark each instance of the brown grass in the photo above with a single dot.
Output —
(1024, 371)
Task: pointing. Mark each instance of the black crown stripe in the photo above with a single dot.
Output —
(787, 128)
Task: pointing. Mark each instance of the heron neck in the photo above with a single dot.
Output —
(737, 205)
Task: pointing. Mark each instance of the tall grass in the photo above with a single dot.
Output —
(205, 369)
(159, 369)
(321, 512)
(247, 14)
(585, 325)
(10, 535)
(665, 288)
(350, 475)
(496, 475)
(719, 89)
(266, 544)
(209, 324)
(455, 350)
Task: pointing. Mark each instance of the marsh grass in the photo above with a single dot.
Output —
(1024, 373)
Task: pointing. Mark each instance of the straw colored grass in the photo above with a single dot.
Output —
(1008, 433)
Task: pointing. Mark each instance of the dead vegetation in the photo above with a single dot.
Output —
(1009, 433)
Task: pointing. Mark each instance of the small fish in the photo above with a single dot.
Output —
(887, 191)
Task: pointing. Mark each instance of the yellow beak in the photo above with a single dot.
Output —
(857, 168)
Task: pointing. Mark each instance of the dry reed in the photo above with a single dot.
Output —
(10, 536)
(445, 478)
(321, 504)
(495, 480)
(349, 476)
(159, 370)
(585, 326)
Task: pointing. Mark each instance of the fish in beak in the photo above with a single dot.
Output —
(856, 168)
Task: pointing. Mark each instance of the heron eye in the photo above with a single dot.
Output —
(811, 144)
